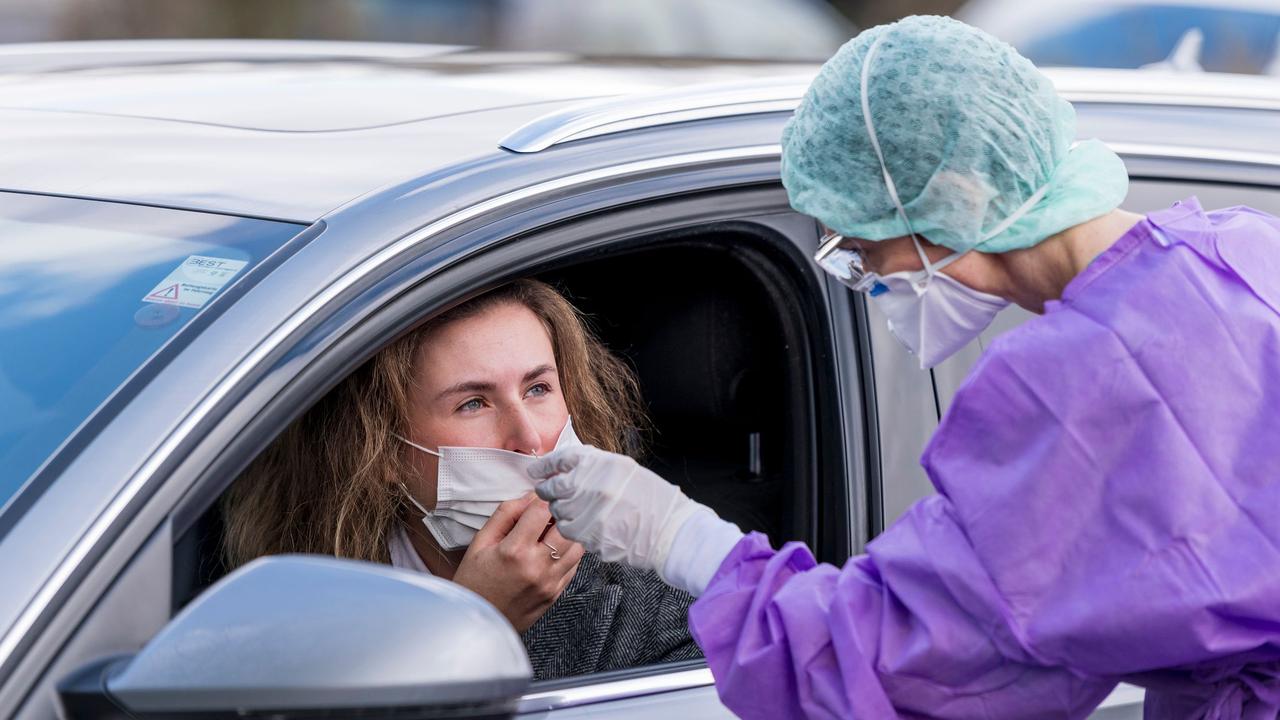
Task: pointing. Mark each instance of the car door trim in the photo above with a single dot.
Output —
(629, 112)
(603, 116)
(1184, 152)
(562, 698)
(16, 633)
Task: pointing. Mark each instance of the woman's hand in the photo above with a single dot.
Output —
(509, 567)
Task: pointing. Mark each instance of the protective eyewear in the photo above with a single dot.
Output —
(837, 255)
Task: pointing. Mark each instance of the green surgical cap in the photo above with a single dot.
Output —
(970, 132)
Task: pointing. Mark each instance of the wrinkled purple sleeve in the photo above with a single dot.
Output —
(788, 638)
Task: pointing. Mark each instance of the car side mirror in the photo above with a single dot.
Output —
(294, 636)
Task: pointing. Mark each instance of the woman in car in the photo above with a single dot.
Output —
(394, 444)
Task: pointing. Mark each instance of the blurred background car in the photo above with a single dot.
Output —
(1230, 36)
(775, 29)
(1227, 36)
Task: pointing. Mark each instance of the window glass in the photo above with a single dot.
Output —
(89, 291)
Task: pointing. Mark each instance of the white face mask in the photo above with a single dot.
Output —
(471, 483)
(932, 314)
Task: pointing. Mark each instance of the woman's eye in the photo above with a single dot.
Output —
(471, 405)
(539, 389)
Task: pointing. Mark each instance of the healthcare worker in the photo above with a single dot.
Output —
(1108, 477)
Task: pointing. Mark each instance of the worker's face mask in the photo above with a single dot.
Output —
(932, 314)
(471, 483)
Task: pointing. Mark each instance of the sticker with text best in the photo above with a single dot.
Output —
(196, 280)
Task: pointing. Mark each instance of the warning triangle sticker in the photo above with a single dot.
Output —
(168, 293)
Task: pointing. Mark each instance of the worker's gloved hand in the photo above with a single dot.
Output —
(612, 505)
(620, 510)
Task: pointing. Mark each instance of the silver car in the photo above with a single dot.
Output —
(199, 239)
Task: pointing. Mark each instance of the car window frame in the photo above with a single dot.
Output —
(520, 255)
(521, 252)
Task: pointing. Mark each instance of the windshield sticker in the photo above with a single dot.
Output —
(196, 280)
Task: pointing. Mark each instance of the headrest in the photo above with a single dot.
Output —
(698, 361)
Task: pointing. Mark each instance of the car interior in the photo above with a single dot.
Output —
(719, 355)
(712, 371)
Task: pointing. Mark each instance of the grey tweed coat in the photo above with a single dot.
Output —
(610, 617)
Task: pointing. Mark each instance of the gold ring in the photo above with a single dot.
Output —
(555, 554)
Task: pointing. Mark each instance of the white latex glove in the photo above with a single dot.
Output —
(625, 513)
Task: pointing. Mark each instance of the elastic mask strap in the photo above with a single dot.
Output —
(930, 268)
(416, 445)
(1023, 209)
(414, 500)
(1016, 215)
(875, 143)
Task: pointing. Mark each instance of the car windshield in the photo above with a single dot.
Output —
(89, 292)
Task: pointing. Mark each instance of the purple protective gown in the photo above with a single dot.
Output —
(1108, 509)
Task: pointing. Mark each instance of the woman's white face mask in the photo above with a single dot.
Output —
(470, 484)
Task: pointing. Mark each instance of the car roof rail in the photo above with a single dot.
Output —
(782, 94)
(1164, 87)
(631, 112)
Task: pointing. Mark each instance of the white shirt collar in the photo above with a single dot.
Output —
(403, 554)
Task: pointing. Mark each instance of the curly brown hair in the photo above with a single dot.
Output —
(329, 484)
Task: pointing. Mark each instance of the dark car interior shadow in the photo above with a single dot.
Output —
(706, 343)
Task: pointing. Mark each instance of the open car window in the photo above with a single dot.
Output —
(725, 362)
